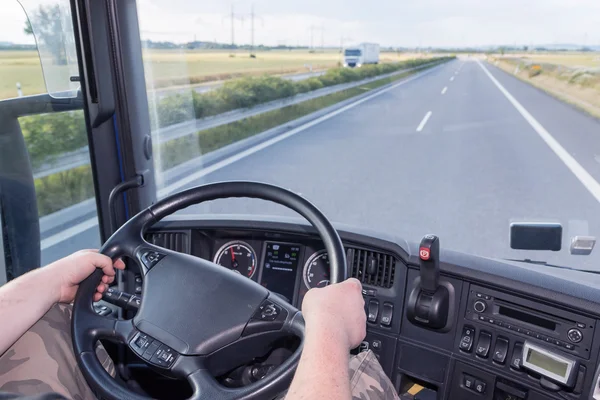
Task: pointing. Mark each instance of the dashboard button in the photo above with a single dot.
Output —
(467, 338)
(468, 382)
(164, 356)
(480, 386)
(386, 314)
(479, 306)
(515, 361)
(373, 311)
(575, 335)
(483, 344)
(581, 325)
(500, 350)
(151, 258)
(376, 345)
(151, 350)
(569, 346)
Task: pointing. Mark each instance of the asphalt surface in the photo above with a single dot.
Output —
(466, 172)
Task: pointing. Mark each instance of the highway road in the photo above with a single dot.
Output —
(461, 151)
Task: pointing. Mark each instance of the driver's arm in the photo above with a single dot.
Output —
(24, 300)
(335, 324)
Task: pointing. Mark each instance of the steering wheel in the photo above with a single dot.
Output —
(197, 318)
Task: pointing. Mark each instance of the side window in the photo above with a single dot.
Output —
(47, 205)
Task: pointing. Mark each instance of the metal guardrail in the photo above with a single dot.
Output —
(80, 157)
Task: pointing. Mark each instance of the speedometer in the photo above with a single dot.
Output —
(316, 270)
(238, 256)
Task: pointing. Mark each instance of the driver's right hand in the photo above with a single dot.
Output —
(336, 311)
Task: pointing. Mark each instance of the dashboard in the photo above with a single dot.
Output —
(512, 331)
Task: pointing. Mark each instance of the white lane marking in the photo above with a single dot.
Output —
(90, 223)
(451, 78)
(444, 89)
(424, 121)
(584, 177)
(68, 233)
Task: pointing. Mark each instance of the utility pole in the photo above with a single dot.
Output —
(232, 17)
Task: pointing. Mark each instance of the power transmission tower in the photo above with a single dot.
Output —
(312, 29)
(252, 17)
(233, 16)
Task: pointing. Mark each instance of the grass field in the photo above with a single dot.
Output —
(560, 76)
(23, 67)
(568, 59)
(165, 68)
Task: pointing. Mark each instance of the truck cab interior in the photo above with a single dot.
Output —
(209, 306)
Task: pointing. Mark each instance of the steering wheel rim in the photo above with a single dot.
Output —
(193, 353)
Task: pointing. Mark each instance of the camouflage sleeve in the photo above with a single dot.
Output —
(42, 360)
(368, 380)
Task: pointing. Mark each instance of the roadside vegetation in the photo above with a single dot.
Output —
(63, 189)
(252, 91)
(574, 78)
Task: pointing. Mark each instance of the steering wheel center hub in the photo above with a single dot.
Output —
(194, 306)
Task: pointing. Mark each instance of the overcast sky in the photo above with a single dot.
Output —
(388, 22)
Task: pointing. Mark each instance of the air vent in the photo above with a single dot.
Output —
(371, 267)
(177, 241)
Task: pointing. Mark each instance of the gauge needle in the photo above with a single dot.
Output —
(233, 262)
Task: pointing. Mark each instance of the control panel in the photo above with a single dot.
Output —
(152, 350)
(550, 326)
(518, 338)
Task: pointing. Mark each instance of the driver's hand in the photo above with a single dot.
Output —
(72, 270)
(337, 311)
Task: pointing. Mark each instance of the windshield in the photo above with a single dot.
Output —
(461, 147)
(460, 118)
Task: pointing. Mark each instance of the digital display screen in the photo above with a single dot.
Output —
(547, 363)
(280, 268)
(525, 317)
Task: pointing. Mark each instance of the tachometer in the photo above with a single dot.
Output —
(316, 270)
(238, 256)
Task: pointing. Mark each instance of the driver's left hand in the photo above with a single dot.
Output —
(72, 270)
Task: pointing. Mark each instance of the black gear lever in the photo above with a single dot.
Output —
(429, 301)
(429, 255)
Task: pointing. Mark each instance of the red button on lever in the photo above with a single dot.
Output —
(424, 253)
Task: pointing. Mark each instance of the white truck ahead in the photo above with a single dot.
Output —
(364, 53)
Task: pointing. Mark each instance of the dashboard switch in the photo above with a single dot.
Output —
(468, 382)
(515, 361)
(480, 386)
(373, 311)
(500, 350)
(386, 314)
(483, 344)
(467, 338)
